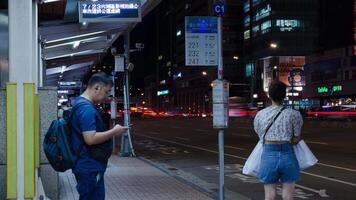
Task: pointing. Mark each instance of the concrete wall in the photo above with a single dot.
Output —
(48, 112)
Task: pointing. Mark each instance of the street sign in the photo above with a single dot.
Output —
(219, 8)
(201, 41)
(109, 11)
(220, 104)
(119, 64)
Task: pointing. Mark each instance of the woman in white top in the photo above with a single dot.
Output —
(278, 161)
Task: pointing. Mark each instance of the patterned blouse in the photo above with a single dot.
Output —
(288, 122)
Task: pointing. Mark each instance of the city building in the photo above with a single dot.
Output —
(187, 89)
(277, 37)
(331, 71)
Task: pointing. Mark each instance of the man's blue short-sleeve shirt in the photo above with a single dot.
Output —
(85, 118)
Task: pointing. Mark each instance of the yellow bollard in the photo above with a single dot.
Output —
(11, 141)
(29, 139)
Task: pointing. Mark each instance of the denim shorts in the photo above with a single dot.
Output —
(278, 164)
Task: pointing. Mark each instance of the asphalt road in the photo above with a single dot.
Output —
(190, 146)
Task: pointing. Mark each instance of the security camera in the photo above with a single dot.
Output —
(113, 51)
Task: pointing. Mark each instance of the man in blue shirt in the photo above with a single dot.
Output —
(91, 139)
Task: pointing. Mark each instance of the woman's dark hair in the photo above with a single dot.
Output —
(100, 78)
(277, 91)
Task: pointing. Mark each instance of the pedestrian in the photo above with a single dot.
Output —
(91, 140)
(63, 109)
(278, 161)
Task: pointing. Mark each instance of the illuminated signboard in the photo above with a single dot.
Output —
(162, 92)
(109, 11)
(325, 89)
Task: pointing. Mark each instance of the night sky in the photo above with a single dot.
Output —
(143, 60)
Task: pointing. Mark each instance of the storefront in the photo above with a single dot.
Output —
(335, 96)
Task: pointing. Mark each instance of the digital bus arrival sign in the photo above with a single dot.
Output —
(109, 11)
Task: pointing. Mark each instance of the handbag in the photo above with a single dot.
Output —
(252, 164)
(304, 155)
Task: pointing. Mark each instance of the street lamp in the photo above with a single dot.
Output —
(273, 45)
(204, 73)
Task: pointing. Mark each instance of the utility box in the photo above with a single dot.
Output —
(220, 104)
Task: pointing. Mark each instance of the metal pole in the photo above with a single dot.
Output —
(41, 72)
(113, 109)
(158, 59)
(292, 92)
(221, 131)
(126, 144)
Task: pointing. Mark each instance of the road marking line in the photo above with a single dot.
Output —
(244, 158)
(321, 192)
(181, 138)
(337, 167)
(322, 143)
(231, 147)
(242, 135)
(331, 179)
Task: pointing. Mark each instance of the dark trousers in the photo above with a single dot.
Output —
(90, 185)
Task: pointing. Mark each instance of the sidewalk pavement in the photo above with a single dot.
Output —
(130, 178)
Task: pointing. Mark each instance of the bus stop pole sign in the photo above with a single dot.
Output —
(219, 8)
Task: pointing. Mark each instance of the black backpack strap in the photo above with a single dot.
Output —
(75, 107)
(269, 126)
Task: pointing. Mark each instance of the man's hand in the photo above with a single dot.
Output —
(93, 137)
(118, 129)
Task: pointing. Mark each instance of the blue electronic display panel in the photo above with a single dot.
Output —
(201, 24)
(109, 11)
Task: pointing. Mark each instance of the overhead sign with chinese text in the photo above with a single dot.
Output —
(109, 11)
(201, 41)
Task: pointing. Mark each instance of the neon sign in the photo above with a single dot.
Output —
(325, 89)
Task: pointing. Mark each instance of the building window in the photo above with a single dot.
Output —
(249, 69)
(262, 12)
(255, 2)
(288, 25)
(247, 6)
(247, 34)
(266, 26)
(255, 30)
(247, 20)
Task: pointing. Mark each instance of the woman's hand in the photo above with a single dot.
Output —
(296, 139)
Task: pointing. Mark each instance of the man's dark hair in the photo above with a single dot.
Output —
(277, 91)
(100, 78)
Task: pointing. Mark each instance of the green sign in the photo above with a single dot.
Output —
(162, 92)
(337, 88)
(324, 89)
